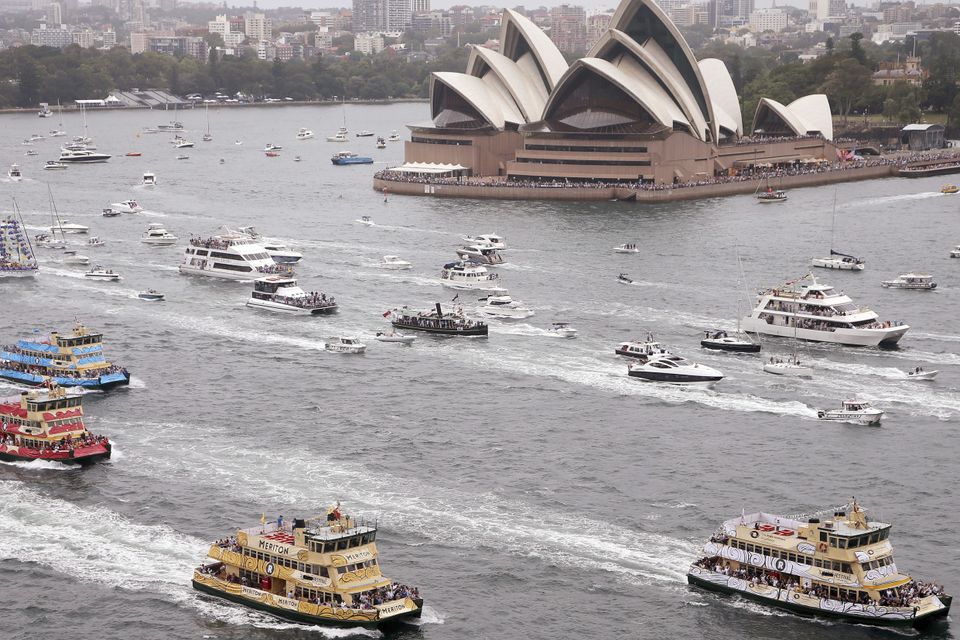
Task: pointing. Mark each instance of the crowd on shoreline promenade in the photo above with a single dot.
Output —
(746, 174)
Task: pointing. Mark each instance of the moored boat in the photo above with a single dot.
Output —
(47, 424)
(70, 360)
(840, 567)
(436, 321)
(837, 260)
(304, 134)
(321, 571)
(720, 340)
(915, 281)
(852, 411)
(282, 294)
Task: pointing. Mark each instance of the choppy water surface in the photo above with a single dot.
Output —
(523, 482)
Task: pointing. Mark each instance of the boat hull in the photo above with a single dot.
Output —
(675, 378)
(223, 275)
(790, 601)
(82, 456)
(827, 263)
(737, 347)
(101, 383)
(297, 311)
(19, 273)
(468, 331)
(306, 618)
(787, 370)
(851, 337)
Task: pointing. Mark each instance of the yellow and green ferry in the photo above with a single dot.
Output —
(321, 571)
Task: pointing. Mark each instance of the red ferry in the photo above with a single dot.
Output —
(47, 424)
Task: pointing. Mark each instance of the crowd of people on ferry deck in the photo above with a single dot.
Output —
(67, 444)
(906, 595)
(79, 374)
(210, 243)
(311, 300)
(450, 321)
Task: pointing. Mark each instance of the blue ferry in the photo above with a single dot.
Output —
(349, 157)
(74, 360)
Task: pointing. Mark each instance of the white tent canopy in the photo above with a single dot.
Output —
(433, 168)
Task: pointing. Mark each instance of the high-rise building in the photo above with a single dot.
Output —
(399, 15)
(54, 13)
(421, 6)
(770, 19)
(381, 15)
(597, 24)
(568, 28)
(368, 43)
(257, 26)
(56, 37)
(83, 38)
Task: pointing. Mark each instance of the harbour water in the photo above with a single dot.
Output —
(523, 482)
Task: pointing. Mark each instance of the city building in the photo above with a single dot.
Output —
(382, 15)
(909, 71)
(597, 24)
(54, 14)
(257, 26)
(368, 43)
(638, 108)
(56, 37)
(768, 20)
(421, 6)
(568, 28)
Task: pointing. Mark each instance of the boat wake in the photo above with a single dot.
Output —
(42, 465)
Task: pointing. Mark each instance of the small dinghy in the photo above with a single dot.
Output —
(919, 374)
(151, 295)
(624, 279)
(101, 273)
(563, 330)
(395, 336)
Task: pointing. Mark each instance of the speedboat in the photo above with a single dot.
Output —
(95, 241)
(36, 137)
(627, 248)
(395, 336)
(790, 367)
(149, 179)
(14, 173)
(282, 295)
(157, 235)
(367, 220)
(102, 273)
(182, 143)
(503, 306)
(32, 152)
(339, 136)
(151, 295)
(563, 330)
(304, 134)
(483, 254)
(52, 165)
(838, 260)
(365, 134)
(491, 240)
(280, 253)
(720, 340)
(918, 281)
(640, 349)
(72, 257)
(345, 344)
(852, 411)
(69, 227)
(673, 369)
(470, 275)
(272, 147)
(949, 188)
(624, 279)
(394, 263)
(343, 158)
(394, 137)
(126, 206)
(57, 133)
(82, 156)
(111, 213)
(955, 252)
(919, 374)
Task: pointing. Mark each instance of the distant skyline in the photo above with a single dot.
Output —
(592, 6)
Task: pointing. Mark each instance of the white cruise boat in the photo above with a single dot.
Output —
(807, 310)
(345, 344)
(837, 260)
(852, 411)
(790, 367)
(126, 206)
(82, 156)
(65, 226)
(673, 369)
(503, 306)
(14, 173)
(102, 273)
(469, 275)
(394, 263)
(156, 234)
(918, 281)
(280, 253)
(231, 256)
(281, 294)
(491, 240)
(483, 254)
(149, 179)
(304, 134)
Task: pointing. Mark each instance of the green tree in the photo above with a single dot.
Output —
(28, 82)
(846, 84)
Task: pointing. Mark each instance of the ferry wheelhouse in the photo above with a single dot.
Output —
(282, 294)
(47, 424)
(232, 256)
(72, 360)
(16, 253)
(436, 321)
(322, 571)
(837, 568)
(807, 310)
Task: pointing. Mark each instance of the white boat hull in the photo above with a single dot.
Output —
(564, 333)
(18, 273)
(507, 314)
(223, 275)
(401, 339)
(926, 375)
(105, 277)
(829, 263)
(871, 416)
(159, 241)
(339, 348)
(395, 267)
(479, 286)
(788, 370)
(277, 307)
(852, 337)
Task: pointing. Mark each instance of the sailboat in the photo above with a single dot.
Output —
(769, 195)
(16, 253)
(51, 240)
(58, 132)
(206, 136)
(740, 342)
(791, 367)
(341, 135)
(838, 260)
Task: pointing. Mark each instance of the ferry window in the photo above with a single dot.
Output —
(341, 569)
(833, 541)
(874, 538)
(823, 536)
(342, 544)
(846, 568)
(842, 543)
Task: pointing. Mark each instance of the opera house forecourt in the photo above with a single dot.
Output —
(638, 118)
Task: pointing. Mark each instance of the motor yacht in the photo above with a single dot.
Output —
(280, 253)
(364, 134)
(281, 294)
(918, 373)
(394, 336)
(339, 136)
(304, 134)
(102, 273)
(14, 173)
(57, 133)
(157, 235)
(790, 367)
(394, 137)
(343, 158)
(70, 256)
(852, 411)
(126, 206)
(720, 340)
(804, 309)
(504, 307)
(394, 263)
(837, 260)
(955, 252)
(230, 256)
(182, 143)
(151, 295)
(482, 254)
(491, 240)
(32, 152)
(469, 275)
(916, 281)
(640, 349)
(673, 369)
(563, 330)
(53, 165)
(626, 248)
(345, 344)
(82, 156)
(272, 147)
(149, 179)
(65, 226)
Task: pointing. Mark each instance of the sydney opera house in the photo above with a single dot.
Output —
(639, 108)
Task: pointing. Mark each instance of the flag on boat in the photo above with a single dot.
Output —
(387, 313)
